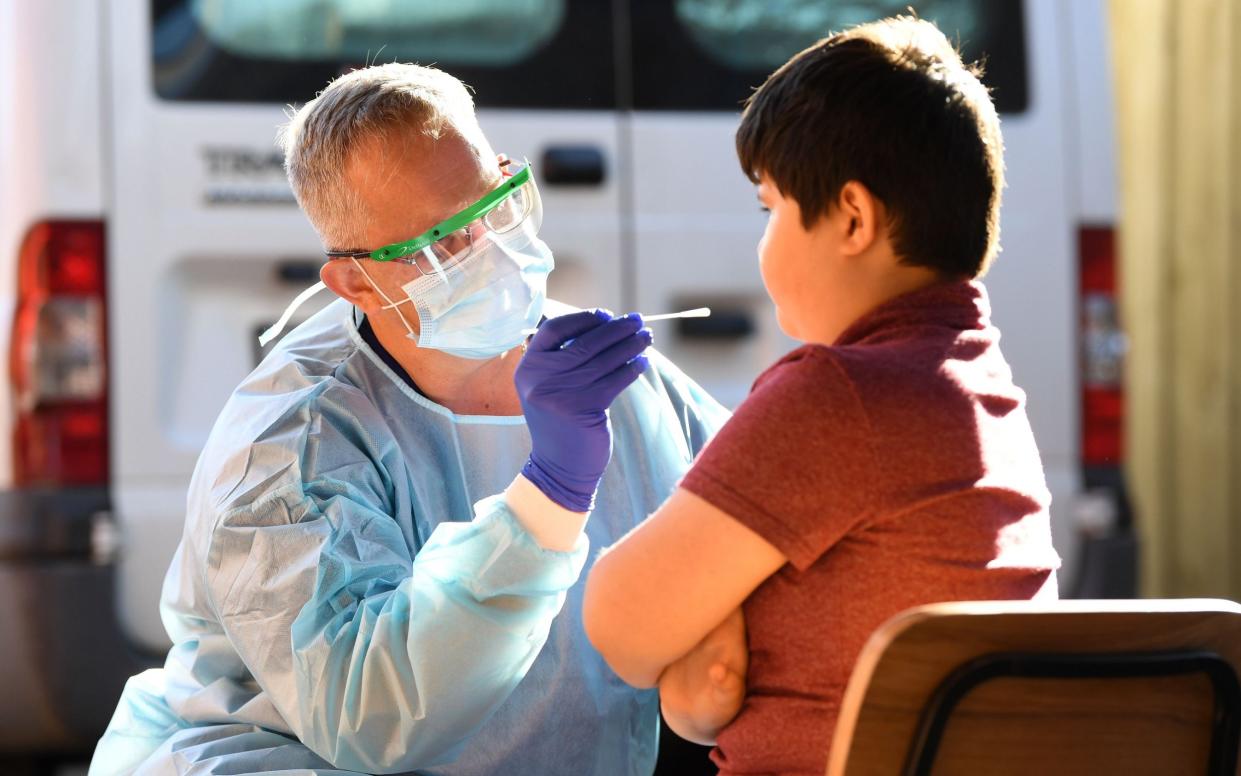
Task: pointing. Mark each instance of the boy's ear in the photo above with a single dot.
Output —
(859, 213)
(347, 282)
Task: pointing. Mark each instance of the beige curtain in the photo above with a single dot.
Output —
(1177, 66)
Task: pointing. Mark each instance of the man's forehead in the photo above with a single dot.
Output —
(411, 160)
(410, 181)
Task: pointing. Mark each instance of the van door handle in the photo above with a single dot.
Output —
(298, 272)
(725, 323)
(573, 165)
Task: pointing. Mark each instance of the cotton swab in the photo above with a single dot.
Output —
(697, 312)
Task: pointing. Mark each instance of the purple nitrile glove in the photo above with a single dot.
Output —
(574, 366)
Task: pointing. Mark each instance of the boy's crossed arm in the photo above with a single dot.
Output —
(703, 691)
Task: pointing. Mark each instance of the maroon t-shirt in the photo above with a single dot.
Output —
(893, 469)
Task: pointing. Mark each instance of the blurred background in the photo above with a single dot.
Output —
(147, 235)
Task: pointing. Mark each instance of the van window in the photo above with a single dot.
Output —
(489, 33)
(512, 52)
(674, 54)
(710, 54)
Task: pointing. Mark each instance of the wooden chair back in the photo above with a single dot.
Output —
(1065, 687)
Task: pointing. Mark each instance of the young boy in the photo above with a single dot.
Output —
(887, 463)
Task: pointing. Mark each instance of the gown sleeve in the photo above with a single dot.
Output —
(380, 660)
(700, 415)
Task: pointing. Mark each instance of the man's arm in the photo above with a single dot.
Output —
(378, 662)
(552, 526)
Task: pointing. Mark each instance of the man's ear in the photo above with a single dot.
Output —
(346, 280)
(860, 213)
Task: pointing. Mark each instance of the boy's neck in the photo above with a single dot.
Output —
(871, 290)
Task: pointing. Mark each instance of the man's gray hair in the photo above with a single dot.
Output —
(358, 106)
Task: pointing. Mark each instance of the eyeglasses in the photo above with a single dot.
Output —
(451, 241)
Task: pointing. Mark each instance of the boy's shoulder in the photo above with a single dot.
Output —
(920, 340)
(812, 367)
(925, 373)
(811, 382)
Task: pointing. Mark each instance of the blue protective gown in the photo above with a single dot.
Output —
(334, 608)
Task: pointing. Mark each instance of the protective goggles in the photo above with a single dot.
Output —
(502, 210)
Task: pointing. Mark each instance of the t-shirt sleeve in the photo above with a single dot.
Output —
(795, 464)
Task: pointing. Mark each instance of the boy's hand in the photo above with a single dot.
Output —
(703, 691)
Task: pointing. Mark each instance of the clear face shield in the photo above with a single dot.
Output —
(508, 215)
(512, 211)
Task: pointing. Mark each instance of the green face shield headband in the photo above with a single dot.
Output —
(452, 240)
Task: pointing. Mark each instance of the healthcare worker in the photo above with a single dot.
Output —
(366, 583)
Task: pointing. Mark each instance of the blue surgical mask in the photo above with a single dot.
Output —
(479, 308)
(476, 309)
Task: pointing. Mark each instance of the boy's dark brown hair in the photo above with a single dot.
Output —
(890, 105)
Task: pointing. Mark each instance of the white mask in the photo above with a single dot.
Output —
(480, 307)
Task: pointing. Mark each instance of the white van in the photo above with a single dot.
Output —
(147, 235)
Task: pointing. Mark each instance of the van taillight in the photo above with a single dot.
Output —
(58, 357)
(1103, 347)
